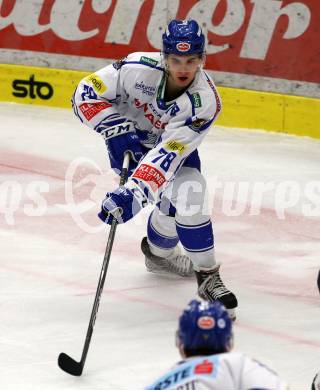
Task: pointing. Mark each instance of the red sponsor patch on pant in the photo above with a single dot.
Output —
(90, 110)
(151, 175)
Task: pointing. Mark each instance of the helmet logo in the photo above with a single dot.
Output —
(206, 322)
(183, 46)
(221, 323)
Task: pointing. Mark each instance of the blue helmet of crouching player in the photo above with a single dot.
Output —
(183, 37)
(205, 328)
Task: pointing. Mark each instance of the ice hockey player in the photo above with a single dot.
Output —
(159, 107)
(204, 338)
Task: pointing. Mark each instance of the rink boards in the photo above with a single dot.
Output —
(241, 108)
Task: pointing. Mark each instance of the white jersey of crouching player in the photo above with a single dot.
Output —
(204, 339)
(168, 103)
(227, 371)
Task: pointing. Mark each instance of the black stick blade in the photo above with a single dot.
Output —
(69, 365)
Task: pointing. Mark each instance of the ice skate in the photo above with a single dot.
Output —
(211, 288)
(177, 263)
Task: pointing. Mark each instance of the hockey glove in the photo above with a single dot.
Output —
(118, 146)
(123, 204)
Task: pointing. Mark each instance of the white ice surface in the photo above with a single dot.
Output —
(51, 251)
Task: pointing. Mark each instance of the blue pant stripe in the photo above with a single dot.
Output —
(198, 238)
(193, 226)
(199, 250)
(160, 240)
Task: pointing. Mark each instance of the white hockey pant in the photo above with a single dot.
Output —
(188, 221)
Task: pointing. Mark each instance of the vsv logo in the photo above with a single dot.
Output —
(32, 88)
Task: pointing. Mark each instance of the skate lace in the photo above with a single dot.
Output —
(215, 286)
(181, 264)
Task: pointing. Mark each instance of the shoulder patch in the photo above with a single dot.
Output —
(196, 100)
(148, 61)
(198, 125)
(97, 83)
(176, 146)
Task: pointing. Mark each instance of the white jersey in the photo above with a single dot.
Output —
(226, 371)
(133, 89)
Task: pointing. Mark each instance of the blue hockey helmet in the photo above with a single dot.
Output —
(183, 37)
(205, 328)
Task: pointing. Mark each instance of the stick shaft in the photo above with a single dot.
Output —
(105, 264)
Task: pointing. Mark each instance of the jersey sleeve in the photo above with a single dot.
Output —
(183, 134)
(96, 101)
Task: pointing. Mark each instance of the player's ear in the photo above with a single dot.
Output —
(182, 352)
(231, 343)
(203, 58)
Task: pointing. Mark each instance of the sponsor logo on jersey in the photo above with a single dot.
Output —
(206, 322)
(196, 100)
(147, 89)
(183, 46)
(148, 61)
(32, 88)
(151, 117)
(151, 175)
(206, 367)
(173, 379)
(175, 146)
(90, 110)
(97, 83)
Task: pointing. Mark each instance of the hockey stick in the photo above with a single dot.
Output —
(65, 362)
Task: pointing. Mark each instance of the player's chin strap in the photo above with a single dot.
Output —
(65, 362)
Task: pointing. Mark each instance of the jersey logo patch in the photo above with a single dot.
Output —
(196, 100)
(206, 367)
(148, 61)
(151, 175)
(197, 124)
(90, 110)
(97, 83)
(175, 146)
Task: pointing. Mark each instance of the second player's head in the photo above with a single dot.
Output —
(184, 50)
(204, 329)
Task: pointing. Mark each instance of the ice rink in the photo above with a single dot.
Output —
(265, 193)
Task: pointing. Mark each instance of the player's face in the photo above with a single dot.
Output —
(182, 69)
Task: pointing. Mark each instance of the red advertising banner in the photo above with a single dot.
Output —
(272, 38)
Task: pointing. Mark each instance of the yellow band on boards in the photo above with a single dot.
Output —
(240, 108)
(286, 114)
